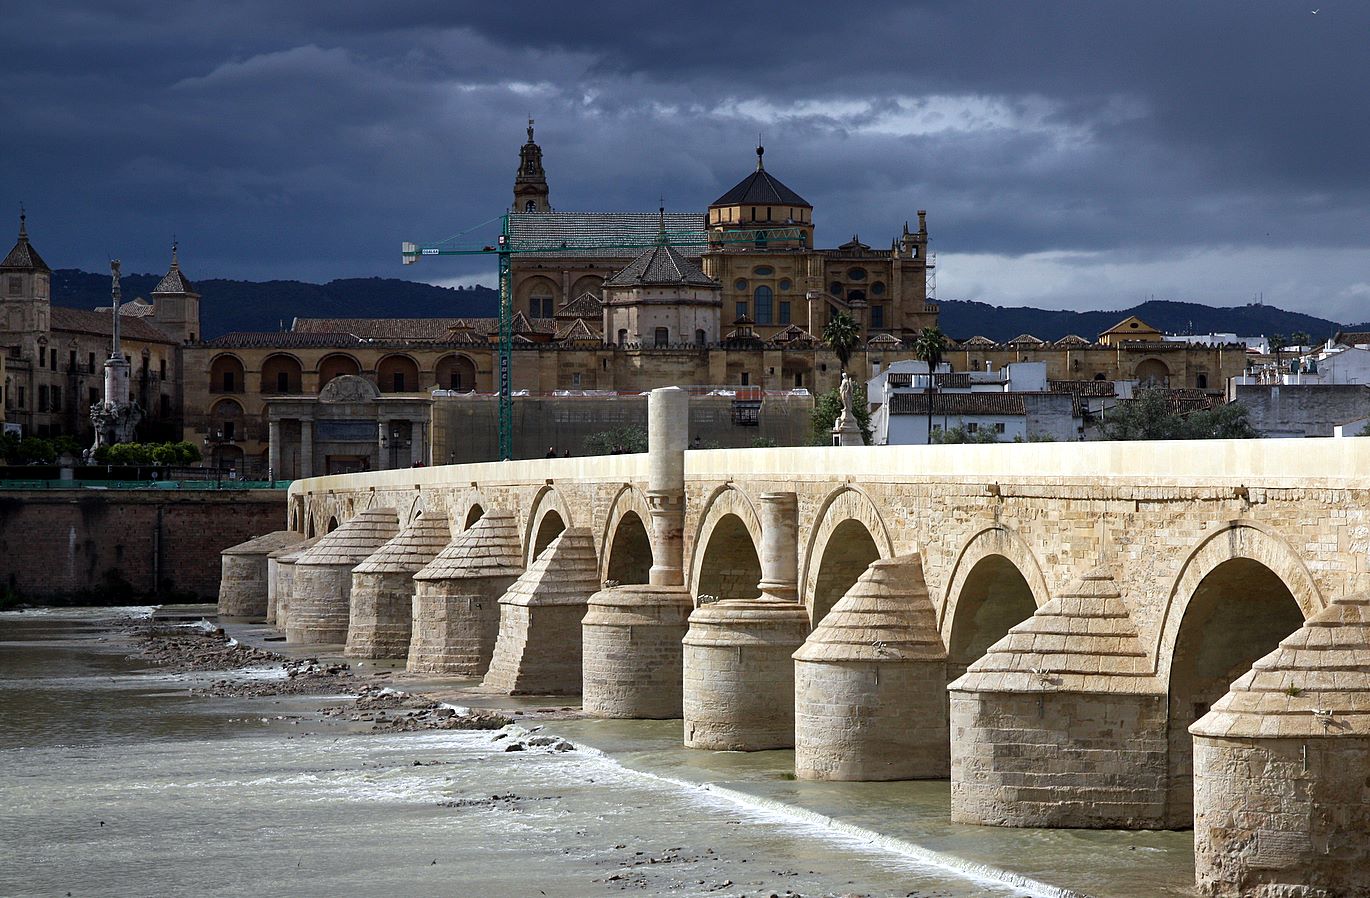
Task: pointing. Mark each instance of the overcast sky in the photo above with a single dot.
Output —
(1069, 154)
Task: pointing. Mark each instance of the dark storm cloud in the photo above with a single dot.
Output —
(1069, 153)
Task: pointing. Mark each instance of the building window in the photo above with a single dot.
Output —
(575, 380)
(785, 284)
(71, 360)
(230, 430)
(622, 337)
(42, 356)
(52, 360)
(741, 310)
(999, 427)
(763, 305)
(530, 206)
(746, 378)
(92, 363)
(93, 395)
(972, 427)
(229, 381)
(740, 285)
(764, 271)
(540, 307)
(282, 381)
(398, 380)
(16, 285)
(835, 288)
(1203, 381)
(662, 337)
(166, 406)
(56, 399)
(161, 368)
(877, 316)
(798, 379)
(878, 288)
(700, 337)
(856, 274)
(21, 397)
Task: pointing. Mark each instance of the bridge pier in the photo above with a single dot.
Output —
(632, 634)
(282, 564)
(1280, 764)
(244, 582)
(321, 590)
(456, 598)
(738, 673)
(538, 650)
(873, 664)
(381, 620)
(1061, 723)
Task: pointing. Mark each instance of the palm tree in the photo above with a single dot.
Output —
(1277, 345)
(842, 335)
(928, 347)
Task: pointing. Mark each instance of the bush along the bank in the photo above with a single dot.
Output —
(182, 453)
(36, 450)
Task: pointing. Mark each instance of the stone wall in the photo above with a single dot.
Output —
(55, 544)
(1302, 410)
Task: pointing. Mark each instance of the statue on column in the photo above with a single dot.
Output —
(115, 417)
(847, 432)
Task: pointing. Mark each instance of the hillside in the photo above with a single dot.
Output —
(270, 305)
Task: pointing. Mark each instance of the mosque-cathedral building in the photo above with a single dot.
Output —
(735, 297)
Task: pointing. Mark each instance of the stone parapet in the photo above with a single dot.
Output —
(1061, 723)
(382, 605)
(738, 674)
(244, 582)
(874, 663)
(1280, 767)
(632, 651)
(456, 598)
(321, 588)
(538, 650)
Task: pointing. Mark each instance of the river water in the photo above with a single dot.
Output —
(117, 781)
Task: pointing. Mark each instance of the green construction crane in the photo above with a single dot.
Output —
(507, 246)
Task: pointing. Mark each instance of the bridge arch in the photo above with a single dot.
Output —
(549, 515)
(626, 544)
(727, 538)
(995, 584)
(848, 534)
(465, 508)
(1239, 593)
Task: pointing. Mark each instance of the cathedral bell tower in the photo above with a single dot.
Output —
(530, 185)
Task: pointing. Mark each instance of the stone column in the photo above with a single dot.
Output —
(273, 429)
(306, 447)
(632, 633)
(416, 441)
(737, 667)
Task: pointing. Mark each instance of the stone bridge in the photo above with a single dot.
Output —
(1086, 602)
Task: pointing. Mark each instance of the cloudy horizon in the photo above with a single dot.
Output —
(1070, 155)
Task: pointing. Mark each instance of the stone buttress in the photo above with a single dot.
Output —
(244, 584)
(382, 614)
(456, 598)
(869, 683)
(538, 651)
(321, 589)
(632, 633)
(280, 566)
(1062, 722)
(738, 670)
(1282, 767)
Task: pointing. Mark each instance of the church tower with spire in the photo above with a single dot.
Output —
(25, 285)
(530, 184)
(176, 305)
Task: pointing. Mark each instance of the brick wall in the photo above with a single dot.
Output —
(55, 544)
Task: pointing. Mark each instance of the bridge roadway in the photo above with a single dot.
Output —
(1086, 602)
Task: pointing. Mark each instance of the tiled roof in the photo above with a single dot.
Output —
(586, 305)
(283, 340)
(958, 404)
(24, 256)
(412, 550)
(577, 331)
(978, 340)
(137, 308)
(81, 321)
(889, 340)
(760, 189)
(793, 334)
(263, 545)
(1028, 339)
(1096, 388)
(174, 281)
(602, 235)
(1352, 338)
(662, 265)
(439, 330)
(1073, 340)
(357, 538)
